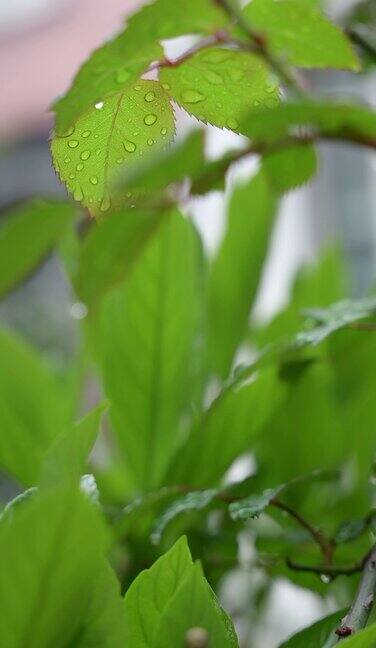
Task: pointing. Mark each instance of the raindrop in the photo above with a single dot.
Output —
(86, 133)
(232, 123)
(151, 142)
(149, 120)
(99, 105)
(129, 146)
(68, 132)
(197, 637)
(94, 180)
(192, 96)
(214, 78)
(78, 311)
(85, 155)
(129, 194)
(105, 204)
(73, 143)
(122, 75)
(79, 166)
(119, 160)
(150, 96)
(66, 160)
(325, 578)
(164, 131)
(72, 175)
(78, 195)
(137, 87)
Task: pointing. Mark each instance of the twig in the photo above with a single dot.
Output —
(361, 608)
(324, 543)
(259, 44)
(326, 570)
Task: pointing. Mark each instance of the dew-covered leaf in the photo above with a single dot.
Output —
(184, 160)
(110, 250)
(301, 33)
(116, 132)
(333, 120)
(194, 501)
(164, 19)
(253, 506)
(110, 69)
(39, 221)
(290, 167)
(218, 86)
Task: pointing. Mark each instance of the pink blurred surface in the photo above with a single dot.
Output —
(38, 65)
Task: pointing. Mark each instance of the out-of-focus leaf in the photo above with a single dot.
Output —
(291, 167)
(329, 119)
(344, 312)
(117, 131)
(146, 332)
(254, 505)
(194, 501)
(218, 85)
(317, 634)
(301, 33)
(361, 26)
(66, 459)
(163, 19)
(110, 251)
(49, 557)
(27, 236)
(20, 500)
(32, 409)
(236, 271)
(349, 531)
(229, 428)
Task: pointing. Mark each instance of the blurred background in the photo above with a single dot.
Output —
(42, 43)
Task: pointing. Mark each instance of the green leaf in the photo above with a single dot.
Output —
(195, 501)
(316, 635)
(110, 251)
(350, 530)
(362, 639)
(218, 85)
(195, 611)
(17, 501)
(66, 459)
(146, 332)
(290, 167)
(43, 223)
(228, 428)
(254, 505)
(105, 625)
(108, 71)
(155, 587)
(301, 34)
(236, 271)
(163, 19)
(329, 119)
(49, 557)
(159, 171)
(120, 129)
(344, 312)
(32, 408)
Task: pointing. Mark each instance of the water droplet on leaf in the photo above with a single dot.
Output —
(105, 204)
(79, 166)
(151, 142)
(78, 195)
(68, 132)
(192, 96)
(232, 123)
(164, 131)
(99, 105)
(149, 120)
(129, 146)
(86, 133)
(73, 143)
(150, 96)
(85, 155)
(94, 180)
(213, 77)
